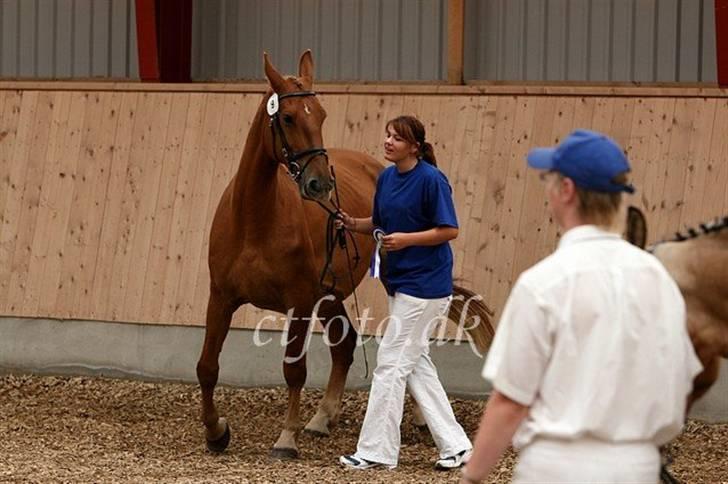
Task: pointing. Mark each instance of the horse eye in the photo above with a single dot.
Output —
(288, 119)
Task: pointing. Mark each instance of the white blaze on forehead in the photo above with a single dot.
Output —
(306, 108)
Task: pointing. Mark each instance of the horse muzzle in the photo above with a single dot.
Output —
(315, 188)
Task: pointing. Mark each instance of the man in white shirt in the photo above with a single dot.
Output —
(591, 364)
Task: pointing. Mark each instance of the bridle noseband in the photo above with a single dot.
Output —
(292, 158)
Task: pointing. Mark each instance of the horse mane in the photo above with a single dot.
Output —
(717, 225)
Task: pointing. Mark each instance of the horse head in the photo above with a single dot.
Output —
(295, 119)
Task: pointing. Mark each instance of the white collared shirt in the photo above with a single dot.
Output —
(593, 338)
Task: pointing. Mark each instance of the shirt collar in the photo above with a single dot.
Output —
(582, 233)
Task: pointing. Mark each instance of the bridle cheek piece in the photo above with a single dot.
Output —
(292, 158)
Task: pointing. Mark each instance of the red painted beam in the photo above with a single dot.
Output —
(147, 45)
(174, 27)
(721, 40)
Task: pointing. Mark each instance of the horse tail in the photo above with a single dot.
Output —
(477, 319)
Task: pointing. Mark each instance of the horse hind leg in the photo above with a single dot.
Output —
(219, 315)
(341, 338)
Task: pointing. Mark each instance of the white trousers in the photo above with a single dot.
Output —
(587, 461)
(403, 360)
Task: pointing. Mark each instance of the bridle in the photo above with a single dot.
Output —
(292, 158)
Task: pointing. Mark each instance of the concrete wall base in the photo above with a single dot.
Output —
(156, 352)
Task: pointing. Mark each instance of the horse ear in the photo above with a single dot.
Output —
(305, 68)
(274, 77)
(636, 230)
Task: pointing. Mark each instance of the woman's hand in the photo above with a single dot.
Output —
(344, 220)
(396, 241)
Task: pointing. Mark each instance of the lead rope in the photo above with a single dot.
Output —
(340, 236)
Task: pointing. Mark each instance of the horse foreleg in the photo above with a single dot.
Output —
(341, 338)
(294, 371)
(219, 314)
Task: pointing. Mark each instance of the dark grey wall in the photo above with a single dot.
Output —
(351, 39)
(591, 40)
(68, 39)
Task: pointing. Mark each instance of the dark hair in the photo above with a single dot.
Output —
(412, 130)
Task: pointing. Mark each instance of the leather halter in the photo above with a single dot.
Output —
(292, 158)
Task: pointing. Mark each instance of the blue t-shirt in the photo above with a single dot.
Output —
(417, 200)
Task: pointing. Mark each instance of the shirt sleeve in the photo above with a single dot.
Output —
(439, 204)
(521, 349)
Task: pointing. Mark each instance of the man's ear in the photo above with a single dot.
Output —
(567, 189)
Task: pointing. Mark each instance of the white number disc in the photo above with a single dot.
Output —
(272, 104)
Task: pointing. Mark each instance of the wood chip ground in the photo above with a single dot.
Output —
(80, 429)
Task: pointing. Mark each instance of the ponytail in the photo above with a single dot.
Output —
(427, 153)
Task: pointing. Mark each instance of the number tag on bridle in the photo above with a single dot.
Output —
(272, 104)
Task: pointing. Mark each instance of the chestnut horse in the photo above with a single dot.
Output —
(269, 248)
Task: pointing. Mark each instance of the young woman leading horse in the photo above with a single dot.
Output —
(270, 243)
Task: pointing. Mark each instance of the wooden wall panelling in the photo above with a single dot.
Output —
(29, 207)
(9, 173)
(149, 165)
(68, 154)
(151, 304)
(692, 209)
(123, 257)
(200, 200)
(15, 180)
(541, 132)
(483, 205)
(498, 152)
(467, 186)
(182, 207)
(105, 275)
(84, 179)
(716, 188)
(97, 155)
(656, 150)
(522, 114)
(47, 231)
(679, 152)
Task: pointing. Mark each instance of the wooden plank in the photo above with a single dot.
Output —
(105, 275)
(490, 88)
(30, 204)
(181, 207)
(455, 40)
(140, 142)
(675, 171)
(14, 182)
(150, 169)
(82, 211)
(697, 162)
(45, 232)
(715, 200)
(99, 152)
(157, 262)
(200, 197)
(68, 156)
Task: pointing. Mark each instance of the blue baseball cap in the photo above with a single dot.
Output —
(590, 159)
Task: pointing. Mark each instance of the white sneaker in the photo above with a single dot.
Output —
(355, 462)
(454, 461)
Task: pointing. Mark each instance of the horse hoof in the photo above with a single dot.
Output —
(315, 433)
(220, 444)
(284, 453)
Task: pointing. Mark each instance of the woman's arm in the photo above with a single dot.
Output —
(434, 236)
(363, 225)
(500, 421)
